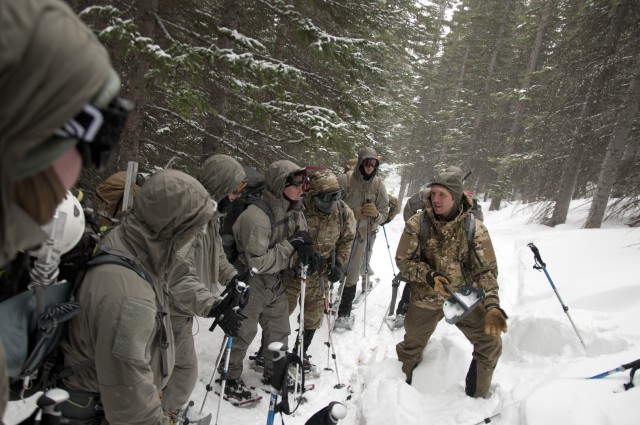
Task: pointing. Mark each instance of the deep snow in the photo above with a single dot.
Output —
(540, 378)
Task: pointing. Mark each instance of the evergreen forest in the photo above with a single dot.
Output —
(538, 99)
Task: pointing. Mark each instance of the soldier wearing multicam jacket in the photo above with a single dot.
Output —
(332, 228)
(443, 258)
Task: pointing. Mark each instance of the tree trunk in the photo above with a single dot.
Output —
(615, 151)
(516, 127)
(482, 107)
(137, 88)
(218, 98)
(574, 161)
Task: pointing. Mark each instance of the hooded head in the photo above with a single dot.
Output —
(51, 67)
(324, 190)
(366, 155)
(221, 175)
(451, 179)
(282, 174)
(172, 206)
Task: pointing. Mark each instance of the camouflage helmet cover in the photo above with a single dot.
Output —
(323, 181)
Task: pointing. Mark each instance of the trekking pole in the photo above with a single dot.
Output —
(540, 265)
(631, 365)
(47, 403)
(300, 341)
(279, 356)
(366, 277)
(223, 375)
(389, 251)
(209, 387)
(331, 352)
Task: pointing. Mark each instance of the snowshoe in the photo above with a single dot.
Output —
(183, 418)
(344, 323)
(359, 299)
(395, 322)
(238, 393)
(266, 381)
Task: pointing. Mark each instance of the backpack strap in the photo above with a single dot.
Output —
(262, 204)
(107, 255)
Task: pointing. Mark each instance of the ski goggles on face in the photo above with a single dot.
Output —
(297, 178)
(370, 162)
(97, 130)
(240, 188)
(329, 197)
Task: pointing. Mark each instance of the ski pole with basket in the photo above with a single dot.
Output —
(540, 265)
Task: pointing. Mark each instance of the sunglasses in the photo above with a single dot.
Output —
(98, 131)
(370, 162)
(329, 197)
(240, 188)
(297, 178)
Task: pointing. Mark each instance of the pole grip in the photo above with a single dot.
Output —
(536, 254)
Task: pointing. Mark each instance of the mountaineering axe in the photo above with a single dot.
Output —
(540, 265)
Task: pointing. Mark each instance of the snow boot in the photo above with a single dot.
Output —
(257, 361)
(399, 322)
(238, 393)
(344, 323)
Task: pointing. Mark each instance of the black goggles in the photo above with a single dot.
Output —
(98, 131)
(297, 178)
(329, 197)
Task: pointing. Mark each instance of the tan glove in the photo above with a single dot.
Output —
(495, 321)
(437, 280)
(357, 213)
(369, 210)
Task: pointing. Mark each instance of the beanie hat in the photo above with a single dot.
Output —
(451, 179)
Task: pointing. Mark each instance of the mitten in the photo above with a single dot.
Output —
(369, 210)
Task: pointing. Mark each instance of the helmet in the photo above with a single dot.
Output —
(71, 211)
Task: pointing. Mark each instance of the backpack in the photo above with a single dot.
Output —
(39, 314)
(110, 197)
(394, 208)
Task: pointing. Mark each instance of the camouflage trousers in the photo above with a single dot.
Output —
(313, 300)
(420, 324)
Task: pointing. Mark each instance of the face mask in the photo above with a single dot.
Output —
(224, 204)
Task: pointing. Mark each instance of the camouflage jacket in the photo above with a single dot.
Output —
(446, 251)
(327, 234)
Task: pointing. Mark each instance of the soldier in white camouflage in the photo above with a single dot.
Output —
(444, 257)
(332, 228)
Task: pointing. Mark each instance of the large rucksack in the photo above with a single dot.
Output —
(35, 316)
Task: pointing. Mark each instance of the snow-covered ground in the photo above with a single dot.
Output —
(540, 379)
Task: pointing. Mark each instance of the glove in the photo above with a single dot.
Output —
(316, 264)
(232, 286)
(357, 213)
(436, 281)
(302, 244)
(231, 322)
(299, 238)
(369, 210)
(226, 315)
(495, 321)
(335, 273)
